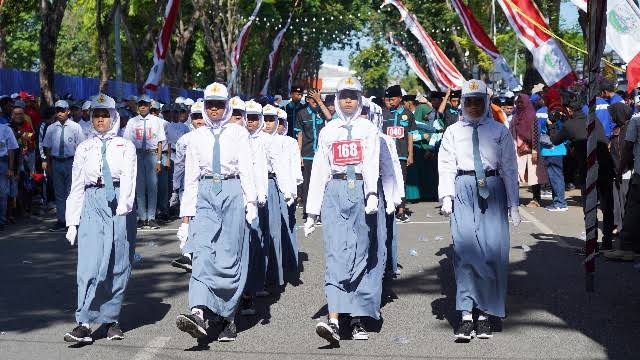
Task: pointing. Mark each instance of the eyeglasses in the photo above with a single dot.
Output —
(348, 94)
(215, 104)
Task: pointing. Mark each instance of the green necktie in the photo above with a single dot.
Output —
(477, 163)
(61, 146)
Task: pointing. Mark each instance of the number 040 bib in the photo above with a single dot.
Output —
(347, 152)
(395, 132)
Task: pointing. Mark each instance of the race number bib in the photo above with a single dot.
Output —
(140, 133)
(395, 132)
(347, 152)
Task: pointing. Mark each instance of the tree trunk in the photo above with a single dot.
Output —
(553, 11)
(3, 47)
(103, 28)
(52, 12)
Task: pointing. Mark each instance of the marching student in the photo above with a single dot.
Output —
(8, 144)
(85, 120)
(478, 184)
(219, 196)
(344, 181)
(194, 121)
(60, 141)
(238, 106)
(146, 131)
(101, 205)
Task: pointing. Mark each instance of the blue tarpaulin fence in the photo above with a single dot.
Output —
(13, 81)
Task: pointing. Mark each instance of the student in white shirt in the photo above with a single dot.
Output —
(8, 144)
(344, 184)
(478, 183)
(101, 205)
(85, 119)
(60, 142)
(146, 131)
(219, 196)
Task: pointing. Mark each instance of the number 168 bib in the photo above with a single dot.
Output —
(347, 152)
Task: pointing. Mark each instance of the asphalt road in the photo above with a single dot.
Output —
(549, 314)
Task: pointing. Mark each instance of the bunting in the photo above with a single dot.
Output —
(293, 69)
(413, 63)
(240, 43)
(273, 55)
(160, 53)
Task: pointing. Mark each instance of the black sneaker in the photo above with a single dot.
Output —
(402, 218)
(229, 333)
(80, 334)
(140, 224)
(328, 332)
(246, 307)
(358, 332)
(152, 224)
(465, 330)
(483, 329)
(192, 325)
(114, 332)
(183, 262)
(58, 227)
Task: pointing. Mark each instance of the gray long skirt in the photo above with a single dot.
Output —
(219, 246)
(350, 240)
(480, 231)
(106, 244)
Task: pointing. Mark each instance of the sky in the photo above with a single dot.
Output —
(568, 19)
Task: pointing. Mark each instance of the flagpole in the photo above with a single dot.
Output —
(493, 19)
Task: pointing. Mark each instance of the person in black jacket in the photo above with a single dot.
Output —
(573, 128)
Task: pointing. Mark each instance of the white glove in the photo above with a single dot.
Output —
(174, 199)
(183, 234)
(72, 231)
(372, 204)
(122, 210)
(309, 225)
(262, 200)
(515, 216)
(252, 212)
(390, 208)
(447, 206)
(289, 201)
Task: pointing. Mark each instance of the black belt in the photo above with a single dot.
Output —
(272, 175)
(100, 185)
(344, 176)
(487, 173)
(221, 177)
(146, 150)
(59, 158)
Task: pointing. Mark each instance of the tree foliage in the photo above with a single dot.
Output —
(372, 67)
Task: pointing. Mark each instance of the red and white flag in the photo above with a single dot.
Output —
(443, 70)
(413, 64)
(160, 53)
(293, 69)
(623, 17)
(273, 55)
(482, 40)
(240, 43)
(548, 58)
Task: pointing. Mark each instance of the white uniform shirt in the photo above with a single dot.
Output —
(260, 171)
(390, 170)
(86, 127)
(633, 135)
(324, 166)
(497, 152)
(87, 168)
(235, 159)
(174, 132)
(73, 137)
(155, 131)
(7, 140)
(295, 163)
(277, 160)
(178, 161)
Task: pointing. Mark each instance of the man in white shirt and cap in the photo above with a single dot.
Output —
(85, 120)
(60, 143)
(147, 133)
(479, 188)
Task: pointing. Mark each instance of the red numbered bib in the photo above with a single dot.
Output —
(140, 131)
(347, 152)
(395, 132)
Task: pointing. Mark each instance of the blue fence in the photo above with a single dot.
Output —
(13, 81)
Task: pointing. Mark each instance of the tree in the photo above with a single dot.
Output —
(51, 12)
(103, 28)
(372, 67)
(412, 84)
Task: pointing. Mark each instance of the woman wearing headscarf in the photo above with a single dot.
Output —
(219, 196)
(101, 204)
(343, 188)
(479, 188)
(526, 134)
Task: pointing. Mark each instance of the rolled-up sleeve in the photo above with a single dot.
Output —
(509, 168)
(191, 180)
(128, 177)
(320, 173)
(371, 161)
(76, 195)
(447, 165)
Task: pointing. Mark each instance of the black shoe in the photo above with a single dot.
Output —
(318, 221)
(358, 332)
(192, 325)
(328, 332)
(229, 333)
(114, 332)
(152, 224)
(246, 307)
(183, 262)
(80, 334)
(483, 329)
(402, 218)
(58, 227)
(140, 224)
(465, 330)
